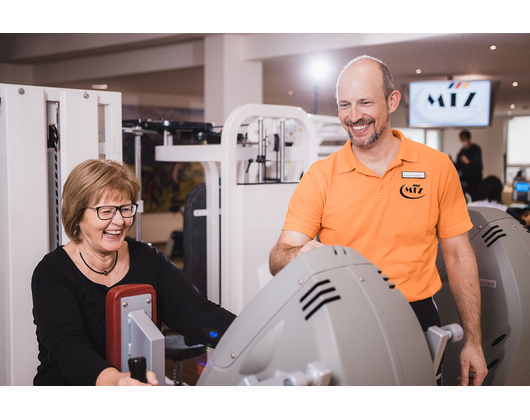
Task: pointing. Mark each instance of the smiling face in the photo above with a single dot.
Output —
(105, 236)
(363, 109)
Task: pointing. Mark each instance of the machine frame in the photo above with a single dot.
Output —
(88, 124)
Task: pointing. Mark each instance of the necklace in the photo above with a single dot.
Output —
(99, 272)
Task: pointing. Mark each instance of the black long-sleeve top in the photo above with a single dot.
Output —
(69, 312)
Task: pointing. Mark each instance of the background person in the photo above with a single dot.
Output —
(469, 165)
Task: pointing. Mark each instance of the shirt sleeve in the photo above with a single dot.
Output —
(185, 310)
(61, 329)
(306, 206)
(453, 217)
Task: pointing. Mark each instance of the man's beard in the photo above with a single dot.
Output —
(372, 140)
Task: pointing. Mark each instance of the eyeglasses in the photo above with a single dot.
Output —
(108, 212)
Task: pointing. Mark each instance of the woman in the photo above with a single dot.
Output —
(70, 284)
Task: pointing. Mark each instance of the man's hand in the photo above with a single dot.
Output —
(309, 246)
(289, 246)
(472, 361)
(464, 160)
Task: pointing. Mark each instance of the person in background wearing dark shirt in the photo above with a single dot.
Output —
(70, 284)
(469, 165)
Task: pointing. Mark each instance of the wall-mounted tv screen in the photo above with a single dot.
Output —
(450, 103)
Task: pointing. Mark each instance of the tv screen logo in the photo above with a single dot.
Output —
(450, 104)
(465, 97)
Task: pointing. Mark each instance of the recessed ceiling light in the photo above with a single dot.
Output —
(509, 113)
(493, 47)
(512, 106)
(418, 71)
(515, 84)
(290, 93)
(100, 86)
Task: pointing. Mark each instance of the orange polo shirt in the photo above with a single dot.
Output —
(394, 221)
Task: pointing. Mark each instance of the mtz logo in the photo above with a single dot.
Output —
(412, 193)
(450, 98)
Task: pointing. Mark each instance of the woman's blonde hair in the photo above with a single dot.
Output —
(86, 185)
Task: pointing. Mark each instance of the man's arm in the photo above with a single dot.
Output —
(463, 278)
(290, 245)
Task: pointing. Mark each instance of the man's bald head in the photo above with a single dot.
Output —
(387, 79)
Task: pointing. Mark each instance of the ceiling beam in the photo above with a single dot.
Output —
(162, 58)
(36, 48)
(264, 46)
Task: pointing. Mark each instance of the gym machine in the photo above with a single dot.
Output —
(330, 317)
(241, 194)
(502, 249)
(44, 133)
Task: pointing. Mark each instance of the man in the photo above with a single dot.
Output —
(469, 165)
(389, 198)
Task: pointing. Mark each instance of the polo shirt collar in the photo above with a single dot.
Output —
(347, 161)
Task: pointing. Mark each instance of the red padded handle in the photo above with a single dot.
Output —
(113, 317)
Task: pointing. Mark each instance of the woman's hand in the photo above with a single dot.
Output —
(113, 377)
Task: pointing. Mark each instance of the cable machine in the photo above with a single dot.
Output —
(44, 133)
(251, 191)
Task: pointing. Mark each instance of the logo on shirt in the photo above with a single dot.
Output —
(412, 192)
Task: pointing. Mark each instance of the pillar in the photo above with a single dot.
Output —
(229, 80)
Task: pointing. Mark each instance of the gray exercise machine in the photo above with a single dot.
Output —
(330, 317)
(502, 249)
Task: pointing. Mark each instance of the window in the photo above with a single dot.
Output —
(429, 137)
(518, 148)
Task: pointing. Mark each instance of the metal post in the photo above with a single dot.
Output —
(261, 152)
(138, 172)
(282, 150)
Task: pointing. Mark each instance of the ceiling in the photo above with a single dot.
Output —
(286, 80)
(456, 56)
